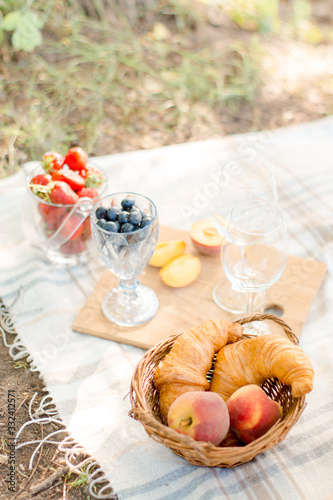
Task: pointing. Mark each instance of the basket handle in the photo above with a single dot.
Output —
(262, 317)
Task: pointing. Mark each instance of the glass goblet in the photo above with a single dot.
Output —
(240, 180)
(255, 247)
(126, 254)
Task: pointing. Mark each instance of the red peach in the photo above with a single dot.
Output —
(202, 415)
(252, 412)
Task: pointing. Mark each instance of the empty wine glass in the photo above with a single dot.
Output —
(240, 180)
(126, 254)
(255, 246)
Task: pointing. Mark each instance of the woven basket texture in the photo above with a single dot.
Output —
(145, 409)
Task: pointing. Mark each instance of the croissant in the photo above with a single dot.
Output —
(253, 360)
(185, 367)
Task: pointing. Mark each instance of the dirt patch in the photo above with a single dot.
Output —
(46, 477)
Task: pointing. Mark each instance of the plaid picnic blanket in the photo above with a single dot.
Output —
(88, 377)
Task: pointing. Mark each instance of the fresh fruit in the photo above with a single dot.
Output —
(166, 251)
(73, 247)
(73, 178)
(145, 222)
(76, 158)
(205, 237)
(252, 412)
(110, 226)
(51, 214)
(181, 270)
(127, 203)
(111, 214)
(52, 161)
(72, 228)
(93, 177)
(101, 213)
(40, 179)
(202, 415)
(120, 220)
(123, 217)
(135, 217)
(127, 228)
(87, 193)
(63, 194)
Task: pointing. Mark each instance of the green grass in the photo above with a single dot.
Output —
(90, 78)
(100, 82)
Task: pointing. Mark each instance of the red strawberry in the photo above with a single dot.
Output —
(93, 176)
(73, 178)
(51, 214)
(41, 179)
(63, 194)
(52, 161)
(76, 158)
(87, 228)
(88, 192)
(73, 247)
(69, 226)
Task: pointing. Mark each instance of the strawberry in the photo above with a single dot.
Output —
(71, 177)
(93, 177)
(69, 226)
(51, 214)
(73, 247)
(76, 158)
(63, 194)
(52, 161)
(86, 228)
(88, 192)
(41, 179)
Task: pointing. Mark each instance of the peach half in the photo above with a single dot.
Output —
(181, 270)
(202, 415)
(252, 412)
(166, 251)
(205, 237)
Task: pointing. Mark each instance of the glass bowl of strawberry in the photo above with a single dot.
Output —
(56, 213)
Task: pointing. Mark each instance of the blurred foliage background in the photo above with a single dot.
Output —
(113, 76)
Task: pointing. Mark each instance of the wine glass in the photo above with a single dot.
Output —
(240, 180)
(126, 254)
(255, 247)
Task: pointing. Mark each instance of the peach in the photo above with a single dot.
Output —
(166, 251)
(252, 412)
(205, 237)
(202, 415)
(181, 270)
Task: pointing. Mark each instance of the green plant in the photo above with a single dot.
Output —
(25, 25)
(255, 15)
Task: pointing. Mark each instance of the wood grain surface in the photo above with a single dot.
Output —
(183, 308)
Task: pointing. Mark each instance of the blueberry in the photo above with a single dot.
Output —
(127, 203)
(123, 217)
(118, 225)
(100, 213)
(101, 223)
(127, 228)
(111, 214)
(145, 222)
(135, 217)
(111, 227)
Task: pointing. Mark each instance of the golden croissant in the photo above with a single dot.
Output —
(253, 360)
(185, 367)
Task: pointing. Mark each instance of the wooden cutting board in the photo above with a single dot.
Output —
(183, 308)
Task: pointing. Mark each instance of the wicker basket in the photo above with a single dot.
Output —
(145, 408)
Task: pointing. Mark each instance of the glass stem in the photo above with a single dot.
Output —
(129, 289)
(249, 303)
